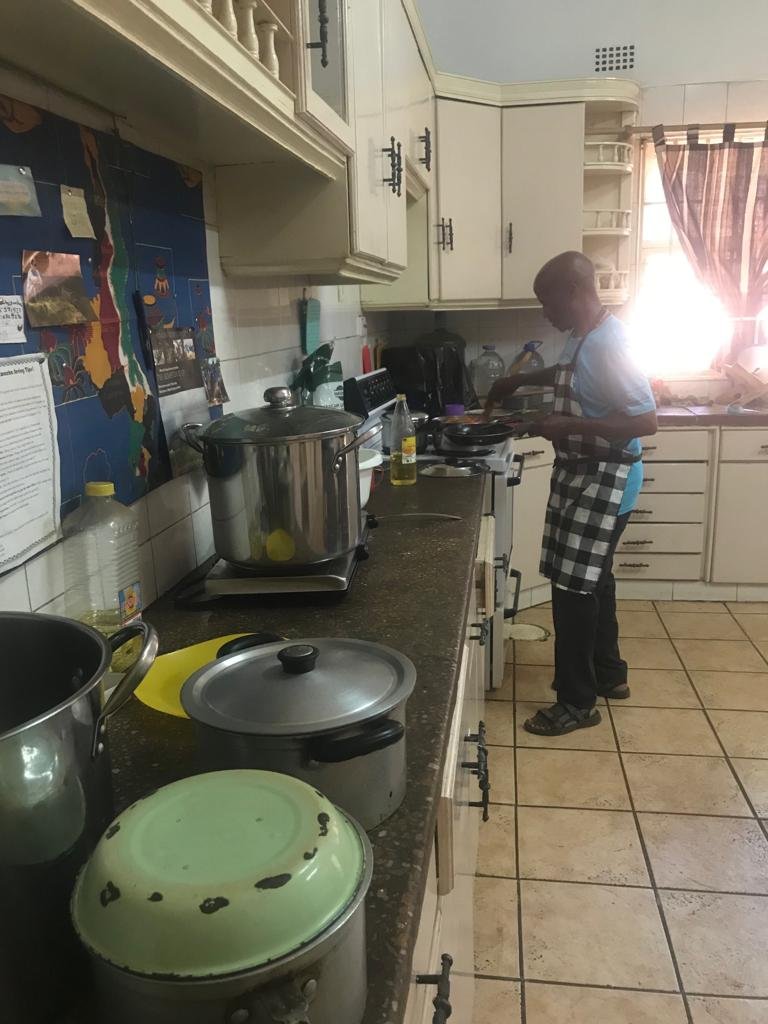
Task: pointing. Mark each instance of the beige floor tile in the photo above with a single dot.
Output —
(748, 607)
(535, 652)
(496, 850)
(754, 778)
(594, 935)
(634, 606)
(566, 1004)
(702, 626)
(664, 731)
(496, 943)
(499, 716)
(762, 646)
(659, 688)
(507, 689)
(705, 607)
(719, 942)
(496, 1002)
(639, 653)
(502, 764)
(720, 655)
(640, 624)
(685, 785)
(581, 846)
(571, 778)
(716, 854)
(733, 691)
(596, 737)
(742, 733)
(534, 682)
(755, 626)
(708, 1010)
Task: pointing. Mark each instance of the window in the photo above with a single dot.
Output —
(677, 326)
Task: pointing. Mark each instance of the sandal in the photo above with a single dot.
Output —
(560, 719)
(619, 692)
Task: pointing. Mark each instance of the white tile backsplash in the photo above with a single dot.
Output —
(141, 507)
(198, 489)
(168, 504)
(147, 574)
(203, 531)
(14, 595)
(173, 552)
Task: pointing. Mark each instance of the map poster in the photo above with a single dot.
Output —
(176, 363)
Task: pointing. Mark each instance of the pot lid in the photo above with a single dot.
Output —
(219, 873)
(299, 689)
(281, 419)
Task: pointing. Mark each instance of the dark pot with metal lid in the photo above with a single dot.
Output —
(328, 711)
(283, 481)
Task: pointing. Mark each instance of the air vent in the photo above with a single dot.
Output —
(614, 58)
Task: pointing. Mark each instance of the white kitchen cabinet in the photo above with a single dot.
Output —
(468, 233)
(675, 478)
(542, 190)
(398, 43)
(740, 546)
(324, 96)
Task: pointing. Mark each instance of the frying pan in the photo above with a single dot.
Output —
(493, 432)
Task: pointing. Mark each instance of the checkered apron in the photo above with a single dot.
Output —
(588, 481)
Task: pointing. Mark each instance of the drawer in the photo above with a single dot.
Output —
(669, 508)
(656, 567)
(739, 444)
(536, 450)
(675, 477)
(677, 446)
(673, 538)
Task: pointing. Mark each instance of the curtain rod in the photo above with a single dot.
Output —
(647, 129)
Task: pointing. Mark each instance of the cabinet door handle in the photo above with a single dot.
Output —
(483, 629)
(764, 447)
(510, 237)
(442, 1001)
(483, 773)
(391, 151)
(649, 479)
(441, 234)
(635, 543)
(642, 511)
(650, 447)
(322, 43)
(634, 565)
(399, 170)
(532, 452)
(426, 138)
(450, 233)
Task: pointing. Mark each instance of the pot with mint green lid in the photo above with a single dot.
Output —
(234, 897)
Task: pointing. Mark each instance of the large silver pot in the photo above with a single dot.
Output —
(283, 482)
(55, 795)
(328, 711)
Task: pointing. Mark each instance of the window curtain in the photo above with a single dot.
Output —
(717, 195)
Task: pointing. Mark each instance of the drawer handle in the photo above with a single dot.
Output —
(483, 773)
(484, 630)
(642, 511)
(442, 1001)
(650, 447)
(635, 543)
(649, 480)
(536, 451)
(634, 565)
(764, 447)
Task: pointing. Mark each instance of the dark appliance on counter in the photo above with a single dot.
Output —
(432, 371)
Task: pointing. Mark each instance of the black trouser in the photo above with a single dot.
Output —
(587, 658)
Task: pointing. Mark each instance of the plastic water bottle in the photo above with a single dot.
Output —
(101, 565)
(486, 370)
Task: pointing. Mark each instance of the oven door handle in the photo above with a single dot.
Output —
(510, 613)
(513, 479)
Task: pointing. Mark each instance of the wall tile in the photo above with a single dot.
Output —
(203, 531)
(174, 554)
(198, 488)
(662, 105)
(141, 507)
(147, 574)
(705, 103)
(168, 504)
(14, 595)
(45, 576)
(747, 101)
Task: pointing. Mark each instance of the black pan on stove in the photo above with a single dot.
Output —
(478, 434)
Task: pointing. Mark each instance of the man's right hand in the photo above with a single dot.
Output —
(501, 389)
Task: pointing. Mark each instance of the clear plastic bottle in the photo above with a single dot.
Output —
(101, 565)
(527, 359)
(402, 446)
(486, 370)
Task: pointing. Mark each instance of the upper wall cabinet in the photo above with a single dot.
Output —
(542, 190)
(468, 232)
(420, 139)
(324, 95)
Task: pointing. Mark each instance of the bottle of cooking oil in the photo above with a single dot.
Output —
(101, 566)
(402, 446)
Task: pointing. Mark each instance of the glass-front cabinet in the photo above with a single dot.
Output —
(325, 52)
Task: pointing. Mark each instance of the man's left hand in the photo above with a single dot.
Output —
(555, 427)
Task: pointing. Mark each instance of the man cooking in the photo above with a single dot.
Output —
(602, 405)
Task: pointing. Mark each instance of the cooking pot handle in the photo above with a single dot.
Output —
(378, 736)
(245, 643)
(132, 677)
(357, 443)
(188, 432)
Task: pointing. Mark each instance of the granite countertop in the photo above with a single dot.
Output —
(411, 594)
(708, 416)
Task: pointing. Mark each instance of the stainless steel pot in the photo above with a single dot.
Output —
(328, 711)
(55, 794)
(283, 482)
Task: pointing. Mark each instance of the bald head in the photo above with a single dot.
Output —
(565, 286)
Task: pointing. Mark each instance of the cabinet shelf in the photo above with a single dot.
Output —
(607, 157)
(612, 223)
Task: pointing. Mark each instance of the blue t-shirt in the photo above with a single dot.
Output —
(607, 380)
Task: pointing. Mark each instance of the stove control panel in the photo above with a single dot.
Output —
(369, 393)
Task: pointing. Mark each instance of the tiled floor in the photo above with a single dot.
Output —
(623, 875)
